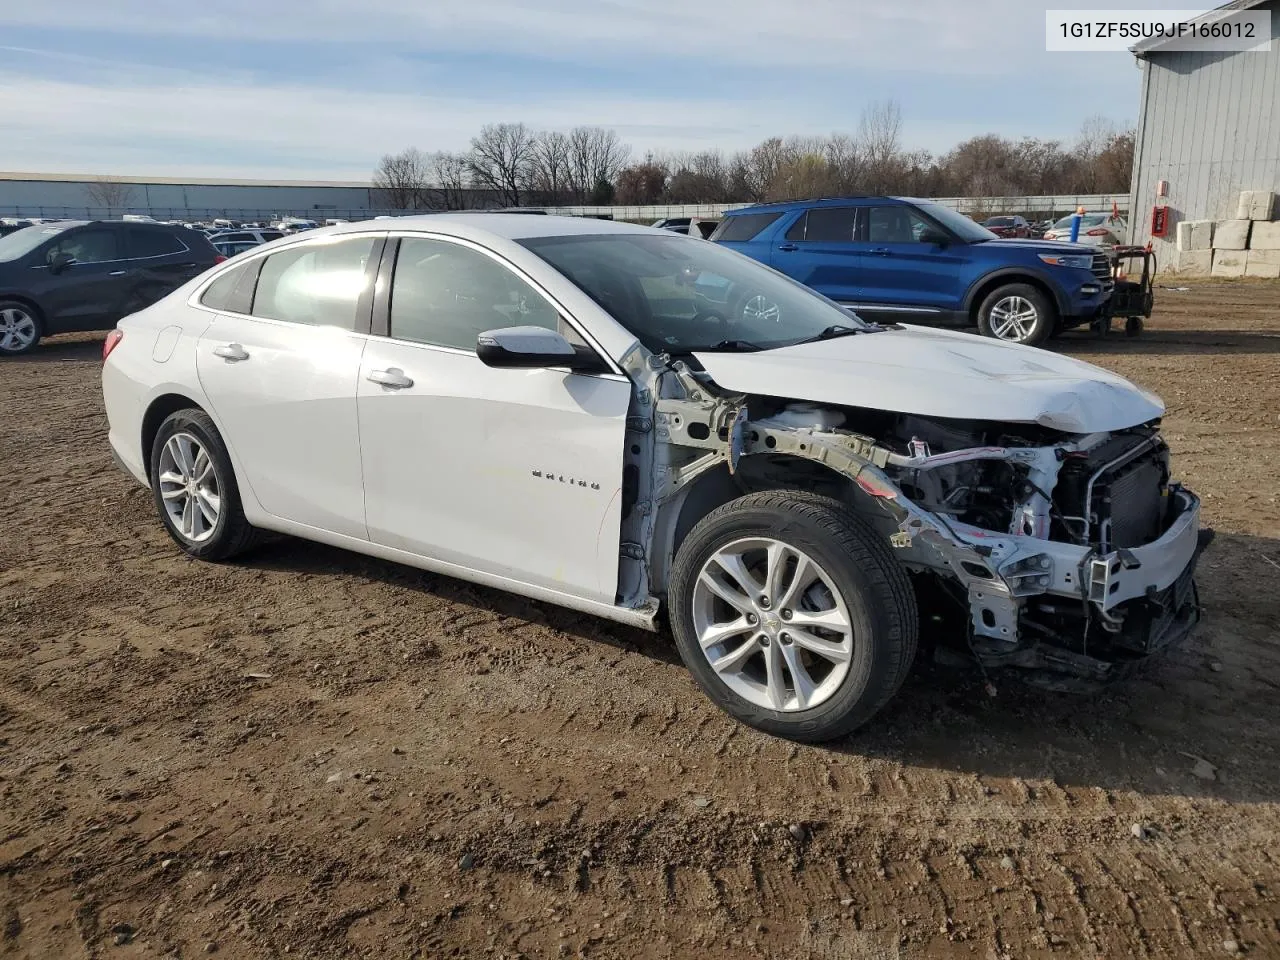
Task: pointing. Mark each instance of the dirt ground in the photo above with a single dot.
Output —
(312, 754)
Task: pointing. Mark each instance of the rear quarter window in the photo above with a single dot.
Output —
(232, 291)
(745, 226)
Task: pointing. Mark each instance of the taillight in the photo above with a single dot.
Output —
(112, 341)
(1096, 232)
(218, 259)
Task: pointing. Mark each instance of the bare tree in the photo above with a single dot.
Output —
(449, 174)
(550, 165)
(401, 179)
(501, 159)
(642, 184)
(880, 130)
(112, 194)
(596, 155)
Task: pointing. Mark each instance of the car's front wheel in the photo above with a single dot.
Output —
(1017, 313)
(20, 328)
(195, 488)
(792, 615)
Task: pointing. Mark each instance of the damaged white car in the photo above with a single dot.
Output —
(648, 427)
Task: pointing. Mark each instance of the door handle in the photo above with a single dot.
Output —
(392, 377)
(880, 252)
(117, 273)
(788, 247)
(231, 352)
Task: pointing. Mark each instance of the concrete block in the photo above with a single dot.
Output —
(1262, 263)
(1228, 263)
(1265, 235)
(1231, 235)
(1193, 263)
(1195, 235)
(1255, 205)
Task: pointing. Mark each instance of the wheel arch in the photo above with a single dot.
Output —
(158, 410)
(26, 301)
(983, 288)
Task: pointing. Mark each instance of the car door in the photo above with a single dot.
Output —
(281, 378)
(898, 274)
(90, 291)
(818, 250)
(514, 473)
(160, 261)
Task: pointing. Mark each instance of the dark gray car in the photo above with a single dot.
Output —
(85, 275)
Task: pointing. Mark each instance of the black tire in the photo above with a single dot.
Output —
(232, 534)
(1038, 330)
(871, 582)
(11, 308)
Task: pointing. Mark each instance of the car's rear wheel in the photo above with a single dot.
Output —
(20, 328)
(195, 489)
(1017, 313)
(792, 615)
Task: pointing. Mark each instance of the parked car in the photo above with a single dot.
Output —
(1096, 230)
(86, 275)
(895, 258)
(246, 235)
(232, 248)
(790, 488)
(294, 225)
(1015, 227)
(674, 224)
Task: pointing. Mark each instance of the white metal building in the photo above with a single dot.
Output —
(1209, 125)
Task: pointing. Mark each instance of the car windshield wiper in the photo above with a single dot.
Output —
(731, 346)
(833, 331)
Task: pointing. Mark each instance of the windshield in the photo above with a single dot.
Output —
(956, 222)
(679, 295)
(999, 222)
(21, 242)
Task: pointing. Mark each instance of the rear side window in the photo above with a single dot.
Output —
(319, 284)
(144, 243)
(830, 225)
(745, 226)
(233, 290)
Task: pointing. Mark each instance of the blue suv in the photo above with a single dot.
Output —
(895, 258)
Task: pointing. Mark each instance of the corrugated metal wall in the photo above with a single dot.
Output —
(1210, 125)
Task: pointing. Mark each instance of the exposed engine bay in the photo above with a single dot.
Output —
(1070, 555)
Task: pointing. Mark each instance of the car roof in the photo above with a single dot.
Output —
(509, 226)
(786, 205)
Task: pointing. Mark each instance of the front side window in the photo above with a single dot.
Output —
(319, 284)
(86, 246)
(446, 295)
(677, 297)
(894, 225)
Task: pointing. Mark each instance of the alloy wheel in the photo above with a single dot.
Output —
(772, 625)
(189, 487)
(17, 329)
(761, 308)
(1013, 318)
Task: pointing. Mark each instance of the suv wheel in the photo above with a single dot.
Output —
(792, 615)
(195, 488)
(1017, 313)
(20, 328)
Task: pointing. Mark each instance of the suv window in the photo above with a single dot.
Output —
(894, 225)
(87, 246)
(825, 225)
(446, 295)
(315, 283)
(745, 226)
(143, 243)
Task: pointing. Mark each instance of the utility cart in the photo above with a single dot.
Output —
(1132, 296)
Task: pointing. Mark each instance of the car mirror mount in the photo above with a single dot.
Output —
(534, 348)
(60, 262)
(936, 237)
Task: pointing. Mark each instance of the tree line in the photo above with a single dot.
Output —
(513, 165)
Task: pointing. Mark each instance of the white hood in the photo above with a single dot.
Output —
(941, 373)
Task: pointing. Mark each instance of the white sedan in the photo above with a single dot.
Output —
(649, 428)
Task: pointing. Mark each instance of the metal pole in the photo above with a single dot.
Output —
(1075, 224)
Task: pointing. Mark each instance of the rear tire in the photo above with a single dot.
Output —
(194, 488)
(1017, 313)
(20, 328)
(841, 635)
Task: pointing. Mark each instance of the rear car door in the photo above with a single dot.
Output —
(160, 261)
(818, 251)
(515, 473)
(900, 274)
(90, 292)
(279, 367)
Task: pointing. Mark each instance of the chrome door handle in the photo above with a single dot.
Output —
(788, 247)
(117, 273)
(231, 352)
(880, 252)
(392, 377)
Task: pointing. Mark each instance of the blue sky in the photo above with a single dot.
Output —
(320, 89)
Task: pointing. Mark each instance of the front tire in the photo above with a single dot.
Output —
(20, 328)
(792, 614)
(194, 488)
(1017, 313)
